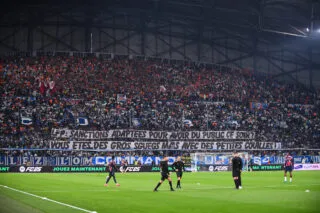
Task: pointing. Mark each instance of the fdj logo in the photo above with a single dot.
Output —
(155, 169)
(4, 169)
(133, 169)
(30, 169)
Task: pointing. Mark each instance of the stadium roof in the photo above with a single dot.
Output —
(253, 24)
(245, 17)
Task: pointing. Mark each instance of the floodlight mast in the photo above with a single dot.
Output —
(312, 18)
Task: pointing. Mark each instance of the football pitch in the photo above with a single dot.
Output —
(201, 192)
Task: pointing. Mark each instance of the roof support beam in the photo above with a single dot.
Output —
(118, 41)
(296, 70)
(58, 40)
(227, 57)
(61, 37)
(287, 74)
(175, 49)
(310, 68)
(8, 46)
(235, 59)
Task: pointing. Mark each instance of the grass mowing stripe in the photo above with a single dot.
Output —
(50, 200)
(262, 192)
(188, 189)
(9, 205)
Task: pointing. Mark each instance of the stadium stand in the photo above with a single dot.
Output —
(41, 93)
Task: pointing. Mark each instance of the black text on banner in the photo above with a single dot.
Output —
(159, 135)
(166, 145)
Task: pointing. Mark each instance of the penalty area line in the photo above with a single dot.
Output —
(47, 199)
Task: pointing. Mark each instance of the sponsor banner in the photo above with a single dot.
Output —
(30, 169)
(188, 168)
(160, 145)
(78, 169)
(214, 168)
(158, 135)
(130, 169)
(274, 167)
(306, 167)
(81, 169)
(4, 169)
(157, 168)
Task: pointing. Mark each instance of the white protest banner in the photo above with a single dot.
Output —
(146, 134)
(161, 145)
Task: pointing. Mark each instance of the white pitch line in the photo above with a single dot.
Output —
(61, 191)
(44, 198)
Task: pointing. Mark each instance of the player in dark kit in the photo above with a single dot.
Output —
(178, 166)
(288, 166)
(237, 169)
(112, 170)
(164, 174)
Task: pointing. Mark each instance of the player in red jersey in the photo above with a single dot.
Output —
(112, 170)
(288, 167)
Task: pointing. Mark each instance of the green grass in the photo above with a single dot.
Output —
(202, 192)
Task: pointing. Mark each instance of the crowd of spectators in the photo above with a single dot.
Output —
(53, 91)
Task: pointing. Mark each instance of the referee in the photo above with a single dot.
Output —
(178, 166)
(236, 170)
(164, 174)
